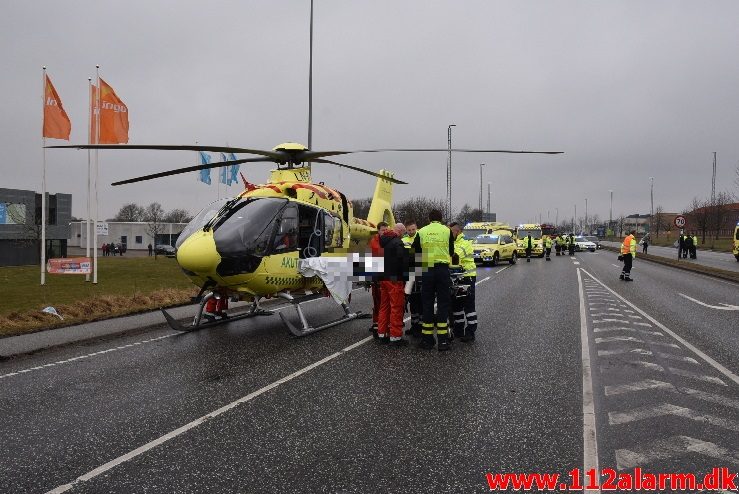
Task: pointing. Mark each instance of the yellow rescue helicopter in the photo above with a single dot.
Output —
(289, 238)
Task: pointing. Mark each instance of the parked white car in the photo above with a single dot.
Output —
(581, 243)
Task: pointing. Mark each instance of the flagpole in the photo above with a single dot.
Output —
(43, 185)
(97, 140)
(89, 171)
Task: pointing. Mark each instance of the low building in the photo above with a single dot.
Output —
(135, 235)
(20, 226)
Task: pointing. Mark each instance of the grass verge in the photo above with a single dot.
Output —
(125, 286)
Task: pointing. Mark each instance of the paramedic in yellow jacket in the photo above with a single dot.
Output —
(463, 309)
(628, 253)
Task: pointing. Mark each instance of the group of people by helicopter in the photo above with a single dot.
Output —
(432, 271)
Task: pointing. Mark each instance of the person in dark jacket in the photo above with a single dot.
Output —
(392, 285)
(682, 246)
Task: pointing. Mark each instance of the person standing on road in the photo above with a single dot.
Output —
(528, 244)
(694, 250)
(376, 251)
(571, 244)
(558, 244)
(435, 246)
(681, 246)
(688, 246)
(463, 310)
(414, 298)
(547, 246)
(645, 244)
(392, 286)
(628, 253)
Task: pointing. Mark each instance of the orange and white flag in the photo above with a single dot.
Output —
(56, 121)
(113, 117)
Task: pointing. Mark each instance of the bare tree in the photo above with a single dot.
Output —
(130, 212)
(699, 214)
(178, 216)
(659, 222)
(417, 209)
(154, 215)
(468, 214)
(719, 213)
(361, 207)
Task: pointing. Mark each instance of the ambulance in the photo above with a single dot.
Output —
(522, 231)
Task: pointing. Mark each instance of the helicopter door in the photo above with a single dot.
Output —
(310, 231)
(286, 237)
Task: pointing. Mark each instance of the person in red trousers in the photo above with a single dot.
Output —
(376, 251)
(392, 285)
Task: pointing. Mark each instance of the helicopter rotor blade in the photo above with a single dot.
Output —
(361, 170)
(457, 151)
(276, 155)
(191, 169)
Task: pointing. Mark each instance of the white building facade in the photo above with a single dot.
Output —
(134, 235)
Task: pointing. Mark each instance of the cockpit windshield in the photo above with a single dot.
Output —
(203, 217)
(247, 227)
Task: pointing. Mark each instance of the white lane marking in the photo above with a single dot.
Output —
(723, 306)
(697, 377)
(680, 358)
(502, 269)
(80, 357)
(702, 395)
(663, 449)
(650, 411)
(637, 386)
(191, 425)
(621, 351)
(590, 439)
(576, 263)
(668, 345)
(598, 321)
(610, 339)
(723, 370)
(635, 363)
(615, 265)
(624, 328)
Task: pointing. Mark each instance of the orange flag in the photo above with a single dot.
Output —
(113, 117)
(56, 121)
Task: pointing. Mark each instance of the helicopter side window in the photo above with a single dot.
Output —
(328, 231)
(286, 237)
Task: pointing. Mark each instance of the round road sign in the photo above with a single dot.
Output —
(679, 221)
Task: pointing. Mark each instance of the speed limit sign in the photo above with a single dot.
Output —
(679, 221)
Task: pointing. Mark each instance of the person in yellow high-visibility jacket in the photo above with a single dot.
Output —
(628, 253)
(463, 310)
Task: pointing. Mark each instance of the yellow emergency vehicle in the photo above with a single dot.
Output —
(533, 229)
(494, 247)
(477, 228)
(736, 242)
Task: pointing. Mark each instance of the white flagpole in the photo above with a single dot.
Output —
(89, 171)
(97, 141)
(43, 186)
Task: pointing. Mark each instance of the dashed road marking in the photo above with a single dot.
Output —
(697, 377)
(611, 339)
(654, 411)
(621, 351)
(80, 357)
(624, 328)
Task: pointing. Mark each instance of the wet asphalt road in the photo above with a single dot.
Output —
(349, 415)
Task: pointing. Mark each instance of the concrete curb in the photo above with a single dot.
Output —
(685, 266)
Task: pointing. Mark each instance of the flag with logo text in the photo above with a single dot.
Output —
(113, 117)
(204, 174)
(56, 121)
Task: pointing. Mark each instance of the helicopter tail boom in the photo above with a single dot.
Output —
(382, 200)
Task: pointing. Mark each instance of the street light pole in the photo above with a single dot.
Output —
(587, 228)
(481, 165)
(573, 221)
(449, 175)
(556, 222)
(610, 211)
(488, 211)
(651, 207)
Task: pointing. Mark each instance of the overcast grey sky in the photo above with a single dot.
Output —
(628, 89)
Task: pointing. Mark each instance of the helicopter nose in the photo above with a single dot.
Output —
(198, 253)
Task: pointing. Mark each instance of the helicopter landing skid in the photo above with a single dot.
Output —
(197, 325)
(307, 328)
